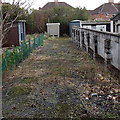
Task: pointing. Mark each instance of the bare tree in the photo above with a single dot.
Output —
(15, 9)
(0, 26)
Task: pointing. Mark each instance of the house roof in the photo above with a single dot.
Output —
(116, 17)
(54, 4)
(110, 8)
(117, 5)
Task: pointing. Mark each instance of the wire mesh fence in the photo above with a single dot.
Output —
(16, 55)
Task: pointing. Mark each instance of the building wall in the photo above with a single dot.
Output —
(11, 37)
(53, 29)
(15, 35)
(96, 27)
(73, 23)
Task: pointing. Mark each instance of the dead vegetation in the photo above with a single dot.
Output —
(58, 76)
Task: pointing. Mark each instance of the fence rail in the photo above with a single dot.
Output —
(14, 56)
(100, 44)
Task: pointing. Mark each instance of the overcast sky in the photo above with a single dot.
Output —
(89, 4)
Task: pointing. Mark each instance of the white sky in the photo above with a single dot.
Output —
(89, 4)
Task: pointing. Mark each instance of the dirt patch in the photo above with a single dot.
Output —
(60, 81)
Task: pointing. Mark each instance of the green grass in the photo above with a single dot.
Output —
(19, 90)
(29, 80)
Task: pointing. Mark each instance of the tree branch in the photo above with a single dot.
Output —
(16, 10)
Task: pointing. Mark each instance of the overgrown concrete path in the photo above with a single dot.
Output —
(60, 81)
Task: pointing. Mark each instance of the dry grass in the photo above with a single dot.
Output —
(59, 62)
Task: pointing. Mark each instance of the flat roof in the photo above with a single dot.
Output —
(94, 22)
(52, 23)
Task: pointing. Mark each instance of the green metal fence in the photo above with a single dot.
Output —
(14, 56)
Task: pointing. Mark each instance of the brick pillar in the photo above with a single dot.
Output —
(111, 1)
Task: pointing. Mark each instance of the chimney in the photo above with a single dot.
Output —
(111, 1)
(55, 1)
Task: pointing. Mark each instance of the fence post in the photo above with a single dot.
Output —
(41, 39)
(22, 50)
(95, 40)
(34, 42)
(88, 41)
(29, 45)
(29, 42)
(107, 47)
(4, 61)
